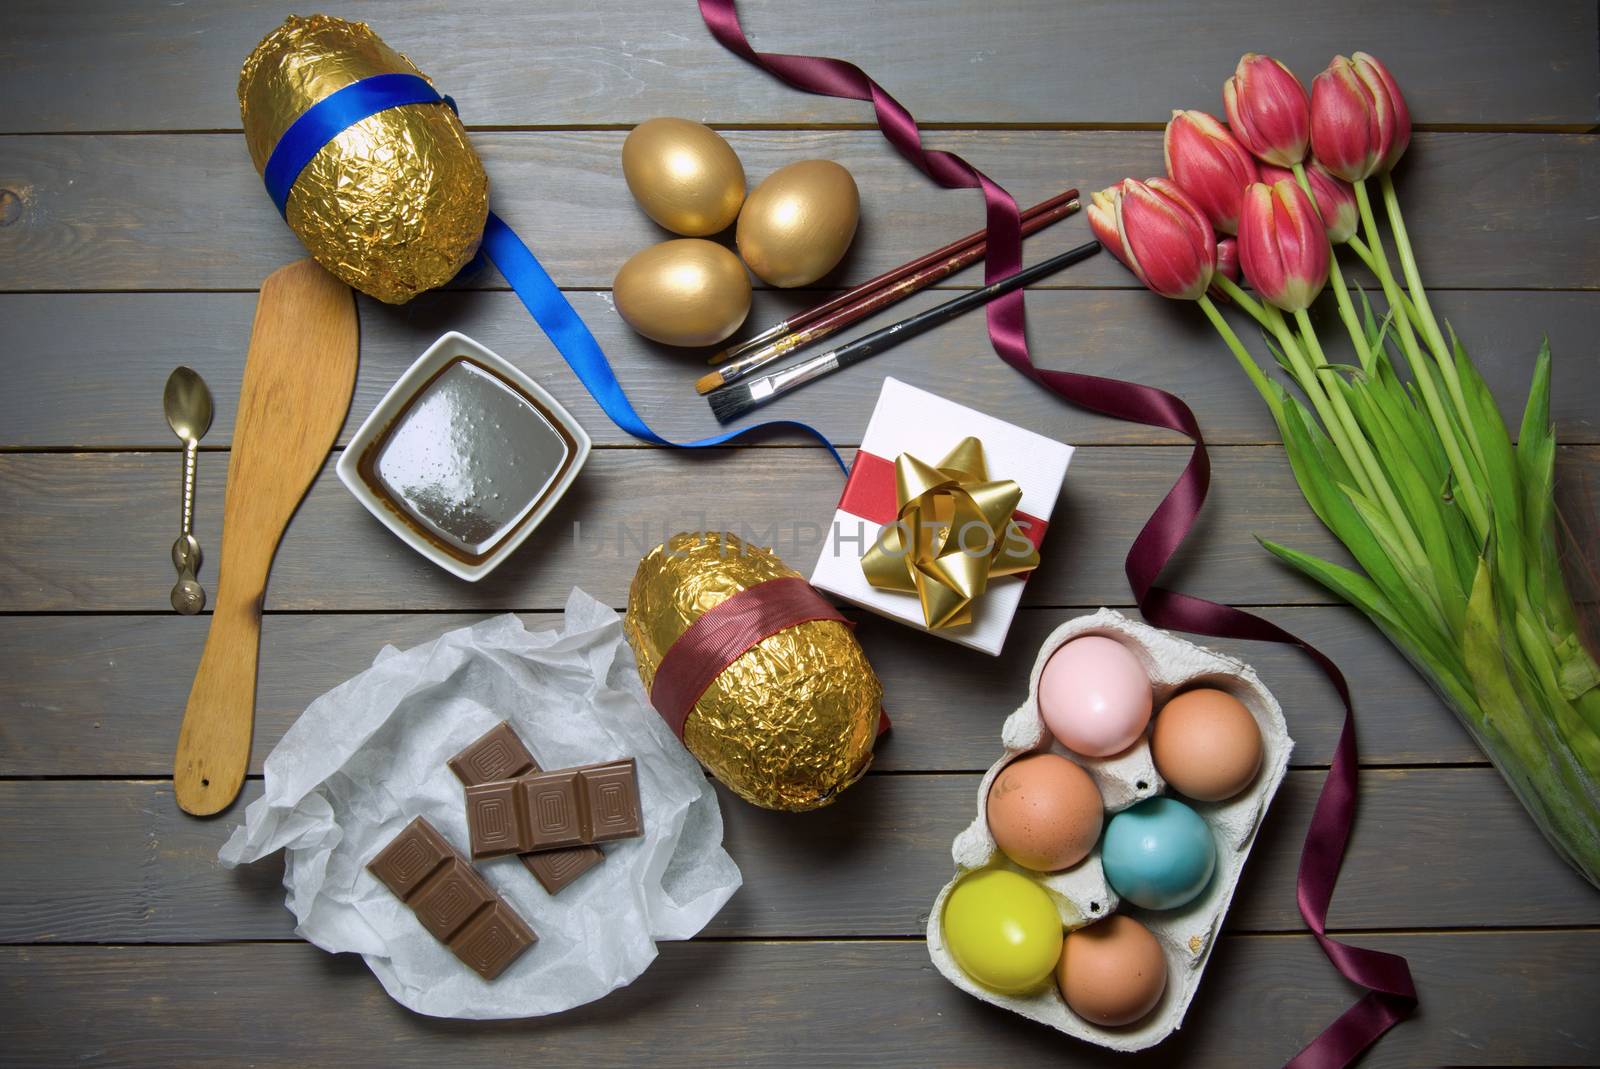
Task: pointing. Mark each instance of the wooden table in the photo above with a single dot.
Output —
(133, 233)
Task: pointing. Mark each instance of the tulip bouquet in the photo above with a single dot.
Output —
(1453, 525)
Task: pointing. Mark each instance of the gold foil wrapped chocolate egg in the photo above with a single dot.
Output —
(789, 724)
(395, 204)
(798, 223)
(684, 176)
(684, 292)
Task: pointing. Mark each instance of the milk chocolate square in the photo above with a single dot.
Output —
(492, 940)
(611, 795)
(497, 754)
(493, 816)
(411, 858)
(455, 893)
(552, 809)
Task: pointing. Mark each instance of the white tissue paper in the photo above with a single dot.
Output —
(367, 757)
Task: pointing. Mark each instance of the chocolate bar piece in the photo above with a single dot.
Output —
(451, 899)
(500, 755)
(553, 810)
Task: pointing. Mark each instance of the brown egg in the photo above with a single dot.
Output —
(798, 223)
(1112, 972)
(1206, 745)
(684, 292)
(684, 176)
(1045, 812)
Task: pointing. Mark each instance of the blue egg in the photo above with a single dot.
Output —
(1158, 854)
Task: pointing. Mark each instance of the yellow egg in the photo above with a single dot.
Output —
(684, 176)
(684, 292)
(1003, 930)
(798, 223)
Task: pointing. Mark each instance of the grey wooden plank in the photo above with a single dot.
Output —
(87, 370)
(171, 212)
(91, 531)
(116, 862)
(68, 67)
(101, 695)
(63, 554)
(1490, 998)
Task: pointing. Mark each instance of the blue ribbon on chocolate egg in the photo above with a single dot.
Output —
(334, 113)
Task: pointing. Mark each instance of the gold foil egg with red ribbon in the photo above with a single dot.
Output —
(798, 223)
(791, 720)
(394, 204)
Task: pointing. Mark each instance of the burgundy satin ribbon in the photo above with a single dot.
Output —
(723, 634)
(1391, 995)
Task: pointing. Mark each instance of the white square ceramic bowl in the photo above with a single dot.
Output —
(440, 353)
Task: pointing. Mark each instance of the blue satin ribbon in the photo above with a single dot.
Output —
(330, 116)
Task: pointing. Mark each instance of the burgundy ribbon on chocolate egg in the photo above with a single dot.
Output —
(723, 634)
(1391, 995)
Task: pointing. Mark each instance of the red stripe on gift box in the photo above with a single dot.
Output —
(870, 494)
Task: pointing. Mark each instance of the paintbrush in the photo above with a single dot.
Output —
(888, 278)
(869, 303)
(731, 402)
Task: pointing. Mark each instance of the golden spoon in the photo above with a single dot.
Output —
(188, 406)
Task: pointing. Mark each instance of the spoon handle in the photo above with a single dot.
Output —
(191, 453)
(188, 596)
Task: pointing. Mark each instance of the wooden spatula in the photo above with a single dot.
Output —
(298, 380)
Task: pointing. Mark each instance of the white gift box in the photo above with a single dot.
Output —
(909, 420)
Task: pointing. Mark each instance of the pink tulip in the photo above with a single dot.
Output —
(1228, 259)
(1268, 109)
(1159, 233)
(1103, 220)
(1227, 267)
(1283, 247)
(1359, 121)
(1210, 164)
(1375, 74)
(1335, 200)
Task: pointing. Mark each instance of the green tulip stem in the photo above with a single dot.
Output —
(1471, 497)
(1341, 294)
(1311, 384)
(1335, 413)
(1241, 354)
(1238, 296)
(1369, 460)
(1364, 254)
(1430, 325)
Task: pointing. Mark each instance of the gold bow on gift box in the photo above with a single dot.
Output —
(961, 531)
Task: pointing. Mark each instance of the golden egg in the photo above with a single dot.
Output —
(684, 176)
(684, 292)
(798, 223)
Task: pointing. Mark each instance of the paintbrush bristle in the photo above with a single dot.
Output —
(707, 383)
(731, 402)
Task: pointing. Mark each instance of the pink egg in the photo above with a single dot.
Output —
(1094, 696)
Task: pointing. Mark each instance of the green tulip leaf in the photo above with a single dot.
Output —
(1482, 647)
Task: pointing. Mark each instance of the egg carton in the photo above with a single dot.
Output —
(1081, 894)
